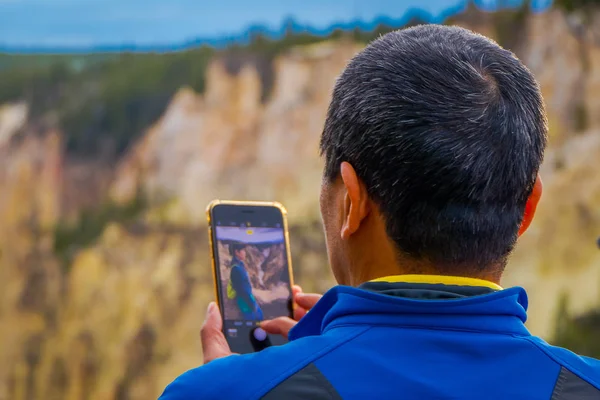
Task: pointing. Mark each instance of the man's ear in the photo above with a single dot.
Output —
(531, 206)
(356, 200)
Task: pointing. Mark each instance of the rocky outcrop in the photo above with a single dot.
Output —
(228, 144)
(129, 320)
(30, 276)
(12, 118)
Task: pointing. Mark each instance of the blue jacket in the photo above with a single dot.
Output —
(240, 281)
(408, 337)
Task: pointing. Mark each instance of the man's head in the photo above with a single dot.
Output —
(238, 251)
(432, 145)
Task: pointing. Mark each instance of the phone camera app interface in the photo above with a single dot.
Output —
(254, 278)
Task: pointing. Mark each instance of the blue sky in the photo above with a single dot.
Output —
(87, 23)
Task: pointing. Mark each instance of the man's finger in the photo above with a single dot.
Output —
(295, 290)
(214, 344)
(307, 300)
(278, 326)
(299, 313)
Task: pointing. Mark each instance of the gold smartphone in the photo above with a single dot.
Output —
(252, 269)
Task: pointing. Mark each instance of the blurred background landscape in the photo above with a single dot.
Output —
(110, 152)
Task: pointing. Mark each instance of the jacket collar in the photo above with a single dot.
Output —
(430, 287)
(236, 261)
(499, 310)
(440, 279)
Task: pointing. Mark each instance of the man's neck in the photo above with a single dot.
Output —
(374, 271)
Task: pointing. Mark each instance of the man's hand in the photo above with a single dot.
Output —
(303, 302)
(214, 344)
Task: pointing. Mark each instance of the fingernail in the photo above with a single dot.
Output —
(211, 307)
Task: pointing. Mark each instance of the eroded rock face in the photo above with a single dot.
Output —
(231, 145)
(30, 276)
(120, 321)
(130, 318)
(12, 118)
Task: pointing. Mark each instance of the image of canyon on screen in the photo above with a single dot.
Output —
(253, 270)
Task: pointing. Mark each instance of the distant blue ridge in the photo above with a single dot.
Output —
(289, 24)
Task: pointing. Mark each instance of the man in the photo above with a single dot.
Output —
(239, 287)
(432, 146)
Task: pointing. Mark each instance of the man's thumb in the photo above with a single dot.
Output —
(214, 344)
(213, 319)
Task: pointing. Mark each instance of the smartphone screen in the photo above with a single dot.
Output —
(252, 271)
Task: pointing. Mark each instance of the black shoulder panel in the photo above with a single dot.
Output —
(308, 383)
(571, 387)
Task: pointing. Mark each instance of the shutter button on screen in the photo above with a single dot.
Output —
(259, 339)
(260, 334)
